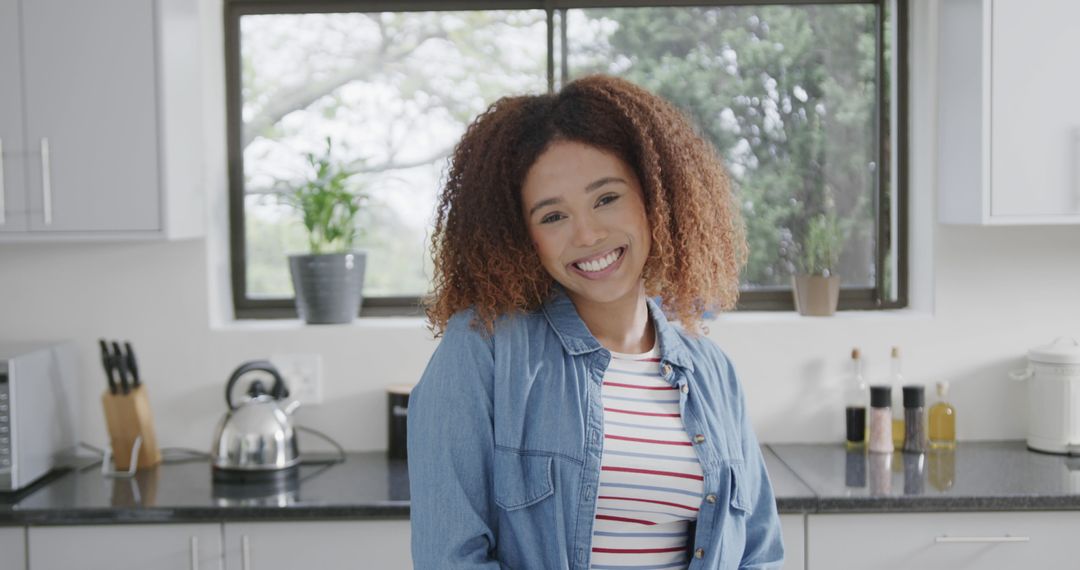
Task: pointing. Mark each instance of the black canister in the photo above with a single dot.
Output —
(397, 420)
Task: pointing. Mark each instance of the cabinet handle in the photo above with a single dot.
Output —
(3, 220)
(979, 539)
(1076, 169)
(194, 553)
(245, 553)
(46, 183)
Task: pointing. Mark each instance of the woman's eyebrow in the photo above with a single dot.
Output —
(594, 185)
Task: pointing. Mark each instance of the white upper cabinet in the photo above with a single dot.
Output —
(12, 149)
(110, 119)
(1008, 119)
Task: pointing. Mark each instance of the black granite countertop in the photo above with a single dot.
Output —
(805, 477)
(364, 486)
(976, 476)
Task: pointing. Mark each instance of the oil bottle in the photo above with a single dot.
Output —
(942, 420)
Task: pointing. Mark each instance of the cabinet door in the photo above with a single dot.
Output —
(12, 183)
(793, 528)
(120, 547)
(943, 541)
(1035, 165)
(12, 548)
(382, 544)
(91, 95)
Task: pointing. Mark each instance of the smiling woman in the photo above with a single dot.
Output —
(541, 158)
(587, 222)
(563, 422)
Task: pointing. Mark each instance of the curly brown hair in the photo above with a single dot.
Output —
(483, 256)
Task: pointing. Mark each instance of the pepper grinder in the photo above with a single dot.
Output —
(914, 419)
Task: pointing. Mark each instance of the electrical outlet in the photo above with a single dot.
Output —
(302, 374)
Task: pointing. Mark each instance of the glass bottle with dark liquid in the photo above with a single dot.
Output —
(856, 397)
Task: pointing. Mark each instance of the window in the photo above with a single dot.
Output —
(804, 101)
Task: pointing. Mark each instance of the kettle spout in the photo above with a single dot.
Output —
(289, 409)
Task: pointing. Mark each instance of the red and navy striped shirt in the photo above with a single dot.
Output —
(651, 482)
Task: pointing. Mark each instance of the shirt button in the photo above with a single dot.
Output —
(685, 388)
(699, 438)
(710, 498)
(699, 553)
(667, 370)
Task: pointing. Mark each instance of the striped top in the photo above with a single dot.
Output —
(651, 482)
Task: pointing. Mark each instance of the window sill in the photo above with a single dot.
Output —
(288, 325)
(419, 323)
(756, 317)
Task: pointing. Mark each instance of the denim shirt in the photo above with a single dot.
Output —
(505, 435)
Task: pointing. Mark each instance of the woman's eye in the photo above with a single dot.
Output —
(607, 199)
(550, 218)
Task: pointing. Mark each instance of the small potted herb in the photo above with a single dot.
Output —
(328, 280)
(815, 285)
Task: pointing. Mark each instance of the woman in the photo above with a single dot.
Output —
(563, 422)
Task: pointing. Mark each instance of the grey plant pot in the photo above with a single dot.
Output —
(329, 286)
(816, 296)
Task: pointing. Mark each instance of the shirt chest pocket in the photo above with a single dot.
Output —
(521, 479)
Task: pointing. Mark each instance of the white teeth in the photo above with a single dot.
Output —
(600, 264)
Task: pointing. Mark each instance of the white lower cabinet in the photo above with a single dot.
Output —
(794, 529)
(12, 548)
(326, 545)
(943, 541)
(129, 546)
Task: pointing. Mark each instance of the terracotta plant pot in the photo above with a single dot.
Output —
(815, 295)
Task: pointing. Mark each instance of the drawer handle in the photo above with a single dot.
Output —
(194, 553)
(245, 553)
(2, 206)
(46, 181)
(979, 539)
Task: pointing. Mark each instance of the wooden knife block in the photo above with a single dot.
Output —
(127, 417)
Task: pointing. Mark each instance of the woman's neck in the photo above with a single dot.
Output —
(622, 325)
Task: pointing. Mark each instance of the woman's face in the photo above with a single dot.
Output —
(585, 213)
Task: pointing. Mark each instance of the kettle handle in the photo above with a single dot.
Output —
(263, 365)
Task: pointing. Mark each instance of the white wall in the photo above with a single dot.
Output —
(982, 296)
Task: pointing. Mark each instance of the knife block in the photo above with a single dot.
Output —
(128, 416)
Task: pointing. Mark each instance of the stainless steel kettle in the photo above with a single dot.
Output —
(256, 436)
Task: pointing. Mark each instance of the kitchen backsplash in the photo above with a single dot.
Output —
(997, 292)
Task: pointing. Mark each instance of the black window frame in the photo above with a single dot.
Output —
(760, 299)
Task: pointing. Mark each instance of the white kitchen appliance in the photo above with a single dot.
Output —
(1053, 387)
(38, 410)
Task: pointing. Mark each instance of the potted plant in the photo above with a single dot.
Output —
(328, 280)
(816, 286)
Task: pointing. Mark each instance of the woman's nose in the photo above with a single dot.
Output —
(588, 232)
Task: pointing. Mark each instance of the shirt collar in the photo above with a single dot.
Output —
(576, 338)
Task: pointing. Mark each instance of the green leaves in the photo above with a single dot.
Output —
(823, 243)
(328, 207)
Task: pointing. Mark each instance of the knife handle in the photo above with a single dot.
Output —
(107, 363)
(132, 365)
(121, 367)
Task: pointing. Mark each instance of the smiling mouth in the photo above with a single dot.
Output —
(598, 265)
